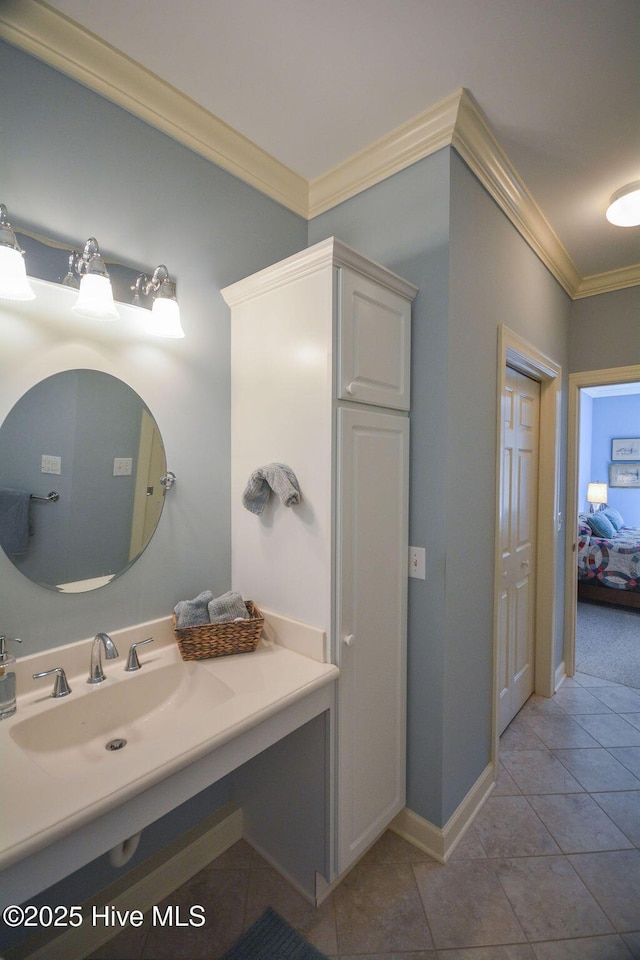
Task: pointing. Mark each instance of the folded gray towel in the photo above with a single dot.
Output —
(274, 476)
(193, 613)
(230, 606)
(14, 521)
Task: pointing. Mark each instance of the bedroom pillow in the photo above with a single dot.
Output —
(614, 517)
(601, 525)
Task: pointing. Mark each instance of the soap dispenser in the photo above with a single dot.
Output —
(7, 680)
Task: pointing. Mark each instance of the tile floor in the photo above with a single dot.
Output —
(549, 870)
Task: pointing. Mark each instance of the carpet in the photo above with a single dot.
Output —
(608, 643)
(271, 938)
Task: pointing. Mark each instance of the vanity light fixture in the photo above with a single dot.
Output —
(13, 273)
(95, 297)
(165, 312)
(624, 207)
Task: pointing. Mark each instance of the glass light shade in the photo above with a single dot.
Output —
(95, 298)
(597, 493)
(13, 276)
(624, 210)
(165, 318)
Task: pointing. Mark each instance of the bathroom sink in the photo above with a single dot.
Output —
(89, 726)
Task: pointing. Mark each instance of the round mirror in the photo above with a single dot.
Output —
(87, 437)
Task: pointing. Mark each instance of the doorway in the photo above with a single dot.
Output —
(577, 383)
(522, 356)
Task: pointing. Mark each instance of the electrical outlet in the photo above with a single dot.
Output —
(417, 563)
(122, 466)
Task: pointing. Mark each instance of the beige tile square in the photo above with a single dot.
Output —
(550, 900)
(621, 699)
(597, 769)
(508, 827)
(520, 736)
(220, 892)
(611, 730)
(538, 771)
(623, 807)
(267, 888)
(126, 946)
(513, 951)
(577, 700)
(629, 756)
(378, 910)
(633, 719)
(614, 879)
(470, 847)
(392, 848)
(578, 824)
(559, 732)
(540, 706)
(505, 784)
(466, 905)
(589, 948)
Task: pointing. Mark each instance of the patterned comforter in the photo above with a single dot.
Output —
(610, 563)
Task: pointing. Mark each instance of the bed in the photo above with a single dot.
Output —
(609, 564)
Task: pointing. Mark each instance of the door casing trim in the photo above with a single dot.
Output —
(514, 351)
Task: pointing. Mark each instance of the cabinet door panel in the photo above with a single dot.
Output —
(371, 627)
(375, 333)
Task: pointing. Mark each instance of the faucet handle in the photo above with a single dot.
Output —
(61, 686)
(132, 662)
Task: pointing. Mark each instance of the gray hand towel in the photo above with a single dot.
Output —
(273, 476)
(230, 606)
(14, 521)
(193, 613)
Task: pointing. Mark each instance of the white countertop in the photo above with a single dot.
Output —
(41, 807)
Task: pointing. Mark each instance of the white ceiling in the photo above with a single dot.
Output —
(313, 82)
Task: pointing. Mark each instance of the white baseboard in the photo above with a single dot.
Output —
(560, 676)
(145, 886)
(440, 842)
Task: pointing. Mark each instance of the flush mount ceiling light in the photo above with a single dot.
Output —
(95, 297)
(624, 208)
(165, 312)
(13, 273)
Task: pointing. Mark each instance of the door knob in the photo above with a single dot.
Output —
(349, 640)
(351, 388)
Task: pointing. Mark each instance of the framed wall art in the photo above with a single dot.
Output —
(625, 448)
(624, 474)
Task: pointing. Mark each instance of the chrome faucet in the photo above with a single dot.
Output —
(96, 673)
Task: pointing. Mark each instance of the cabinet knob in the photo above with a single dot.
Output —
(349, 640)
(351, 388)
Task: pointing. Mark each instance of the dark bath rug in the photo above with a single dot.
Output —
(271, 938)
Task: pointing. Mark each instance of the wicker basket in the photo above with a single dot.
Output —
(220, 639)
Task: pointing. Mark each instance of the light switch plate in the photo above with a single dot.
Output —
(417, 563)
(49, 464)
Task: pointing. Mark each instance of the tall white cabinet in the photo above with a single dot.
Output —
(320, 381)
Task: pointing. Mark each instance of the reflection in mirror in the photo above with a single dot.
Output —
(90, 438)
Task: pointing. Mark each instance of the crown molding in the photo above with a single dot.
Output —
(607, 282)
(60, 42)
(456, 121)
(411, 141)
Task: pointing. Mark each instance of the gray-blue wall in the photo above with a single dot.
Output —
(434, 224)
(73, 165)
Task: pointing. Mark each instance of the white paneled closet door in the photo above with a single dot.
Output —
(371, 628)
(518, 517)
